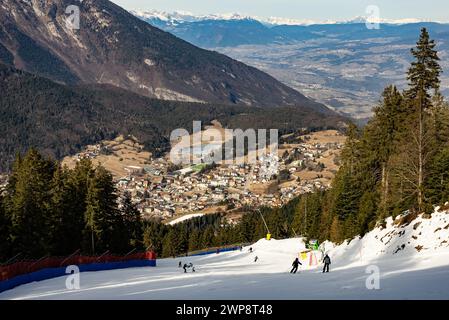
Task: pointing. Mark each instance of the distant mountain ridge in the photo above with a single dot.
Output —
(231, 30)
(177, 17)
(343, 65)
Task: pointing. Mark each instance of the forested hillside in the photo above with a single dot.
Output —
(398, 162)
(59, 120)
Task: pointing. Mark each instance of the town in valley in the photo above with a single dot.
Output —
(306, 162)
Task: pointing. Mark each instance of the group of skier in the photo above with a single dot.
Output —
(295, 265)
(251, 251)
(186, 266)
(326, 260)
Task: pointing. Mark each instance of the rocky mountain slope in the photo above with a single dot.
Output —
(113, 47)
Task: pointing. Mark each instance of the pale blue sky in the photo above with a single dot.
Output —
(435, 10)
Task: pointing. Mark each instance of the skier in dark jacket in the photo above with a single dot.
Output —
(295, 265)
(185, 267)
(327, 262)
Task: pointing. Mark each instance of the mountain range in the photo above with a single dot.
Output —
(63, 88)
(178, 17)
(344, 65)
(230, 30)
(113, 47)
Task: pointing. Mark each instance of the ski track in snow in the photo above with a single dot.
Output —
(406, 274)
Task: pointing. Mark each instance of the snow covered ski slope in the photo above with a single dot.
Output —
(413, 261)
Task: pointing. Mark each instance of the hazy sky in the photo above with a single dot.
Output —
(436, 10)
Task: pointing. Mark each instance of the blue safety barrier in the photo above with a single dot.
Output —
(50, 273)
(214, 251)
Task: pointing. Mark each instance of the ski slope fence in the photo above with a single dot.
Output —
(216, 250)
(18, 273)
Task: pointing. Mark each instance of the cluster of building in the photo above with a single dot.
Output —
(91, 152)
(158, 191)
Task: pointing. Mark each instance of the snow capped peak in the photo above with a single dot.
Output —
(185, 16)
(177, 17)
(358, 19)
(363, 19)
(165, 16)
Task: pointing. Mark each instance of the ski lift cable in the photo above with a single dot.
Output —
(296, 235)
(263, 219)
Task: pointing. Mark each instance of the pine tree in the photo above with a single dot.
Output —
(171, 244)
(208, 237)
(132, 222)
(64, 231)
(76, 199)
(307, 219)
(335, 231)
(349, 153)
(423, 77)
(367, 212)
(104, 222)
(183, 240)
(27, 205)
(437, 183)
(380, 138)
(12, 181)
(437, 180)
(439, 114)
(247, 227)
(153, 236)
(5, 226)
(346, 194)
(194, 240)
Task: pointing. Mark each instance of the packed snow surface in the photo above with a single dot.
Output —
(413, 261)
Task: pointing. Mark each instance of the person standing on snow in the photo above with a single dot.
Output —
(327, 262)
(295, 265)
(256, 258)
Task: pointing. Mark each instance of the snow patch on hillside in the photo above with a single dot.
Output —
(412, 240)
(185, 218)
(149, 62)
(167, 94)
